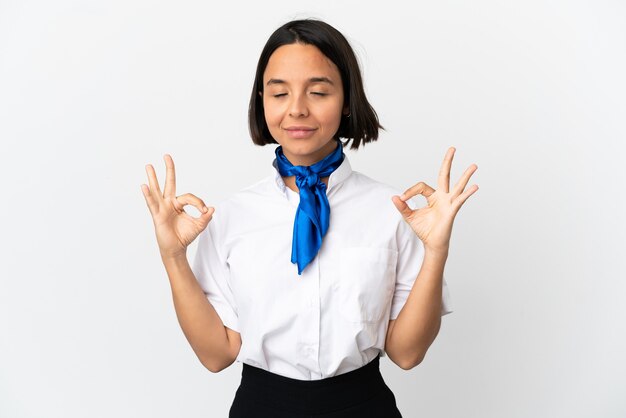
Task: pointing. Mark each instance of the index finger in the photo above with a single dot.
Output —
(170, 177)
(443, 183)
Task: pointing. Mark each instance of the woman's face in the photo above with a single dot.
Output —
(303, 102)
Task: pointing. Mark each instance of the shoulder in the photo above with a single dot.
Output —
(257, 189)
(375, 189)
(374, 197)
(245, 198)
(362, 180)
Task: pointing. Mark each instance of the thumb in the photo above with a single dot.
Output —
(401, 205)
(205, 217)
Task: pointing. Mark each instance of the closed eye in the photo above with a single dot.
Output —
(317, 93)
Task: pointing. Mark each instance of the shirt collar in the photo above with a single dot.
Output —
(336, 177)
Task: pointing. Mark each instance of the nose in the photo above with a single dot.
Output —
(298, 107)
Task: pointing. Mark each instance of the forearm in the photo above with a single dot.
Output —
(199, 321)
(418, 323)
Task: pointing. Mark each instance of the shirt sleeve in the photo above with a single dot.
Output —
(212, 273)
(410, 258)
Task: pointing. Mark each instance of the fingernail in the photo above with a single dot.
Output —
(205, 209)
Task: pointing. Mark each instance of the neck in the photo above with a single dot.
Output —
(309, 160)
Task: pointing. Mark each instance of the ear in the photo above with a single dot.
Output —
(261, 93)
(346, 110)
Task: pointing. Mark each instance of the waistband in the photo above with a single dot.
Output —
(312, 396)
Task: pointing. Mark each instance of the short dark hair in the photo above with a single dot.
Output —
(362, 126)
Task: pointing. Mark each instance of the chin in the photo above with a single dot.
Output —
(302, 146)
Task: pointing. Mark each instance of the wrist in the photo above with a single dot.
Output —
(436, 253)
(175, 259)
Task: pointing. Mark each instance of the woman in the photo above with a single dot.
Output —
(312, 274)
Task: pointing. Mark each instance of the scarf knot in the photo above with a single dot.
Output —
(305, 178)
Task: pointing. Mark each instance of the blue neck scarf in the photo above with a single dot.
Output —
(313, 213)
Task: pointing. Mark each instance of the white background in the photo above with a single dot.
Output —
(533, 92)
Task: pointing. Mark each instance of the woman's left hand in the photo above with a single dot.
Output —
(433, 223)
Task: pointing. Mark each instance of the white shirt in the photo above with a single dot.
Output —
(334, 317)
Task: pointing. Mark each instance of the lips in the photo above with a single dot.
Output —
(299, 131)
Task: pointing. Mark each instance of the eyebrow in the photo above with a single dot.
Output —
(311, 80)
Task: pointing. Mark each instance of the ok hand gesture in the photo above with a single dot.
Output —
(175, 229)
(433, 223)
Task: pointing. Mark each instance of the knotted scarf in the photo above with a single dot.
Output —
(313, 212)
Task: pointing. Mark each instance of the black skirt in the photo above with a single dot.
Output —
(359, 393)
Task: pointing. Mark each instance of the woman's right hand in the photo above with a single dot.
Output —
(175, 229)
